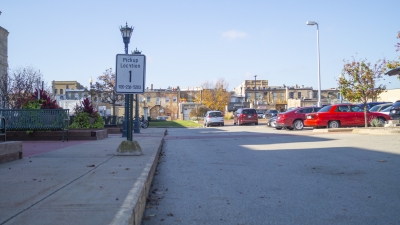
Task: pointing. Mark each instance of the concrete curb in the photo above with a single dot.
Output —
(135, 204)
(333, 130)
(370, 130)
(377, 130)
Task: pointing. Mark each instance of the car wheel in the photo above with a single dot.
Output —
(256, 123)
(381, 120)
(207, 125)
(222, 124)
(333, 124)
(289, 128)
(278, 128)
(298, 125)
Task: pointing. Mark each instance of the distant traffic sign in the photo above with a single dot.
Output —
(130, 73)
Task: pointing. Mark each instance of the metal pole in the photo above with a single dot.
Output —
(319, 72)
(125, 122)
(136, 128)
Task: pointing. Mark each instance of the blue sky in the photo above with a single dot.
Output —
(190, 42)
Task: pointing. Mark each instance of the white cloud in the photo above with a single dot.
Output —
(233, 34)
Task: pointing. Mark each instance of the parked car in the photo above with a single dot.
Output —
(245, 116)
(380, 107)
(260, 113)
(272, 122)
(342, 115)
(395, 110)
(270, 113)
(372, 104)
(212, 118)
(294, 119)
(386, 111)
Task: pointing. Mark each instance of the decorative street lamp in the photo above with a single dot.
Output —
(136, 127)
(126, 33)
(91, 89)
(312, 23)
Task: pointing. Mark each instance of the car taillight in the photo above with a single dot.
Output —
(282, 116)
(209, 116)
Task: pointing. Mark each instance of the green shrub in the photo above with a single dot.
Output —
(375, 123)
(82, 119)
(228, 116)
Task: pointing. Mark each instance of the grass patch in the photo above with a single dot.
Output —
(174, 123)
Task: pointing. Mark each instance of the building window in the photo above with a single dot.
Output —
(275, 95)
(248, 96)
(310, 94)
(315, 94)
(299, 95)
(61, 91)
(55, 91)
(167, 99)
(141, 99)
(174, 99)
(282, 96)
(148, 98)
(291, 95)
(157, 100)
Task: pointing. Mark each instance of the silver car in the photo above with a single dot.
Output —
(212, 118)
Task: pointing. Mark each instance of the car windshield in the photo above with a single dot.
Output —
(273, 111)
(387, 109)
(215, 114)
(325, 109)
(375, 108)
(260, 112)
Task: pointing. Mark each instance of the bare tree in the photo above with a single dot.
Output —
(106, 86)
(18, 84)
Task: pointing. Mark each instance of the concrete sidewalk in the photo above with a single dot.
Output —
(80, 184)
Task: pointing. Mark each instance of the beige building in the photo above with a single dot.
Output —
(173, 103)
(390, 95)
(261, 96)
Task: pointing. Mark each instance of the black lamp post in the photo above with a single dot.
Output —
(136, 126)
(126, 33)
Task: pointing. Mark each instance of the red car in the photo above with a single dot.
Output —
(293, 119)
(245, 115)
(342, 115)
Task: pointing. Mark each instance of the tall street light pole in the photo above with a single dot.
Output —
(126, 33)
(241, 96)
(312, 23)
(341, 97)
(255, 90)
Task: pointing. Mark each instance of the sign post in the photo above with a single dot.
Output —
(130, 77)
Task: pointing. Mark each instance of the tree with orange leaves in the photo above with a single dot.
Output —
(215, 96)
